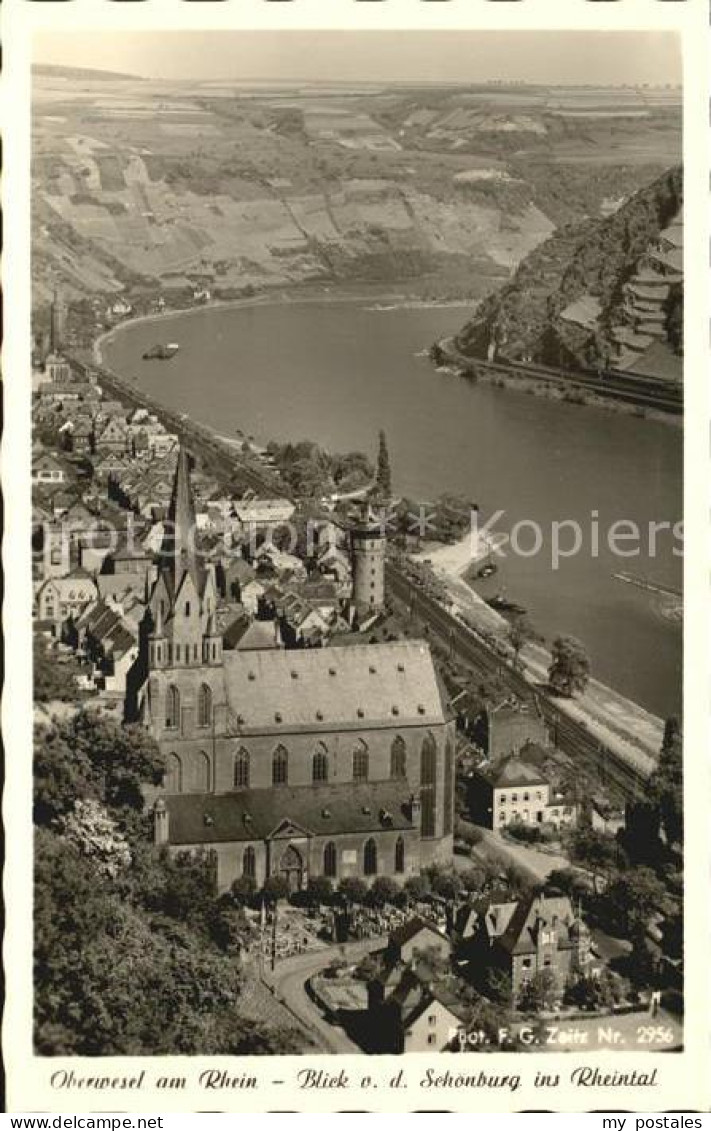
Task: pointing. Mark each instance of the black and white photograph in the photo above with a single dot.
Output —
(357, 550)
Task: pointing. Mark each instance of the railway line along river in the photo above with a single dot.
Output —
(337, 372)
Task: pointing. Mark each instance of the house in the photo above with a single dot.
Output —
(410, 1005)
(513, 724)
(113, 437)
(415, 937)
(110, 465)
(110, 641)
(60, 598)
(116, 587)
(129, 556)
(414, 1017)
(334, 563)
(512, 791)
(249, 635)
(47, 469)
(529, 936)
(256, 514)
(606, 817)
(251, 593)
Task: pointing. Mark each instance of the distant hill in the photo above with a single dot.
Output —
(600, 291)
(54, 70)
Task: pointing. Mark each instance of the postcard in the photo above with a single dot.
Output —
(356, 705)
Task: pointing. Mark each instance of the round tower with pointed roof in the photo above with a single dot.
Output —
(368, 562)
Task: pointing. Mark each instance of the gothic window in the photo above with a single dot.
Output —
(177, 653)
(361, 762)
(280, 766)
(204, 706)
(249, 863)
(240, 777)
(398, 758)
(173, 777)
(448, 818)
(428, 773)
(399, 855)
(204, 775)
(187, 608)
(172, 708)
(320, 765)
(428, 761)
(330, 867)
(370, 858)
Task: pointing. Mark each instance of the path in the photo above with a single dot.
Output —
(289, 980)
(537, 864)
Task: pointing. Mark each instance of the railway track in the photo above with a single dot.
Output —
(644, 390)
(461, 642)
(222, 456)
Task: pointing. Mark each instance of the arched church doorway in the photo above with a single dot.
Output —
(291, 867)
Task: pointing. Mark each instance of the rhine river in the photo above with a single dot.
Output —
(337, 372)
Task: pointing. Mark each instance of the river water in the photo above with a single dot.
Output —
(337, 372)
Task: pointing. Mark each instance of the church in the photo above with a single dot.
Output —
(333, 761)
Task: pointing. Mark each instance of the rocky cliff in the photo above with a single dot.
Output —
(602, 291)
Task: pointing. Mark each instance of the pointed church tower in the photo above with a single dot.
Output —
(178, 553)
(183, 597)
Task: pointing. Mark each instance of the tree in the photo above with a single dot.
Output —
(111, 980)
(633, 896)
(417, 887)
(276, 887)
(570, 666)
(52, 681)
(319, 889)
(384, 474)
(594, 850)
(496, 985)
(590, 992)
(538, 993)
(88, 756)
(383, 890)
(666, 785)
(519, 632)
(243, 889)
(353, 889)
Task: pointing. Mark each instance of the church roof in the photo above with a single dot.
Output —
(255, 814)
(379, 685)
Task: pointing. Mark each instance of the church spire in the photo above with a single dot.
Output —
(178, 554)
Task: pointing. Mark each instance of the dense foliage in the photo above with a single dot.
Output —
(134, 952)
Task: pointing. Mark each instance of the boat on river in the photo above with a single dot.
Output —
(161, 352)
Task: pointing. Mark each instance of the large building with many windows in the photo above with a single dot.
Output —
(328, 761)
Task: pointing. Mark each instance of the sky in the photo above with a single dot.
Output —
(605, 58)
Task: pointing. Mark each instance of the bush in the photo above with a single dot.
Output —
(353, 889)
(383, 890)
(319, 889)
(276, 888)
(531, 834)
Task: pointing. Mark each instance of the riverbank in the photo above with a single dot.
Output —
(573, 388)
(338, 372)
(304, 295)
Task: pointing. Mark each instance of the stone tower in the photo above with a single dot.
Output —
(368, 562)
